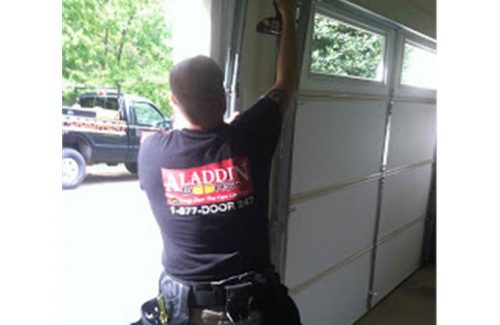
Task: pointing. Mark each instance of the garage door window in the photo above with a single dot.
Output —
(419, 66)
(340, 49)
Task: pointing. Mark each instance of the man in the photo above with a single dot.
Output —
(207, 184)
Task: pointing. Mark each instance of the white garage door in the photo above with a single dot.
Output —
(351, 226)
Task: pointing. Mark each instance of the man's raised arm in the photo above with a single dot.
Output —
(287, 74)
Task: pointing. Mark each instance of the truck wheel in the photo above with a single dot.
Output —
(73, 168)
(131, 167)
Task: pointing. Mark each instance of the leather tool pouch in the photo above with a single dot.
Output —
(152, 313)
(176, 297)
(170, 307)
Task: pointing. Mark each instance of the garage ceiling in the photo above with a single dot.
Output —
(419, 15)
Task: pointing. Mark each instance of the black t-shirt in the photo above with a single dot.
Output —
(208, 191)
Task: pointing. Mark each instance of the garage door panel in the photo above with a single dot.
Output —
(324, 231)
(397, 258)
(336, 141)
(413, 134)
(339, 298)
(404, 198)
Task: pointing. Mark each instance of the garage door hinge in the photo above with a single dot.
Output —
(373, 293)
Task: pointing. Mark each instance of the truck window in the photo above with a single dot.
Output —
(147, 115)
(341, 49)
(97, 101)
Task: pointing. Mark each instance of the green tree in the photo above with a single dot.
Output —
(340, 49)
(117, 42)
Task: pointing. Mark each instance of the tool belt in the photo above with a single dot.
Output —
(239, 295)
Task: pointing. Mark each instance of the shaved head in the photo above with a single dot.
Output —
(197, 85)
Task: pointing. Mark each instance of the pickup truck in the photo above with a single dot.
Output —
(106, 127)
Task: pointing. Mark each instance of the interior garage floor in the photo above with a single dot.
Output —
(412, 303)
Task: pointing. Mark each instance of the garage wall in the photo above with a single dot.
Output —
(419, 15)
(257, 57)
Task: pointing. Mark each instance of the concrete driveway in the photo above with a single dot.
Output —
(112, 249)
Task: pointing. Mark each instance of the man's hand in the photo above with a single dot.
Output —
(286, 7)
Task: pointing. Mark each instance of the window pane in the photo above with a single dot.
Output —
(147, 115)
(99, 101)
(418, 67)
(343, 50)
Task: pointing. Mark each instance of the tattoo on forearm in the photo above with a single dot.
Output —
(278, 96)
